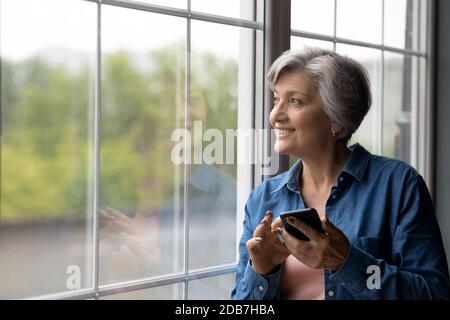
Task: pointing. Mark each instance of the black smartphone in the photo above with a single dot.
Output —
(307, 215)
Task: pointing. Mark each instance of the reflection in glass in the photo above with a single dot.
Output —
(367, 134)
(242, 9)
(47, 103)
(213, 288)
(142, 103)
(299, 43)
(214, 104)
(313, 16)
(399, 102)
(359, 20)
(169, 292)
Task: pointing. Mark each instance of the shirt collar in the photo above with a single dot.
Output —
(290, 178)
(356, 166)
(357, 163)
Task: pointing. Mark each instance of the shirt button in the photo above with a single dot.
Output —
(341, 179)
(343, 284)
(333, 197)
(331, 293)
(260, 288)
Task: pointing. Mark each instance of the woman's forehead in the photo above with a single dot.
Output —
(294, 82)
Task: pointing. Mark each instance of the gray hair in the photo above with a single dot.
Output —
(342, 83)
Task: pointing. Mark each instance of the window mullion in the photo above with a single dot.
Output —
(96, 171)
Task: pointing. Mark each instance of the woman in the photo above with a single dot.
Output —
(381, 237)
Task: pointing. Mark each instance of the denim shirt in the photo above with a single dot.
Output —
(384, 208)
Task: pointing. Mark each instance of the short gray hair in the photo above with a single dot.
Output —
(343, 84)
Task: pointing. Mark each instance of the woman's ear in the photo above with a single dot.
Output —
(336, 128)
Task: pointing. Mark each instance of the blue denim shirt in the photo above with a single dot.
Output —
(383, 207)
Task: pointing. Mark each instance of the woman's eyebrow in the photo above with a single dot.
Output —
(295, 92)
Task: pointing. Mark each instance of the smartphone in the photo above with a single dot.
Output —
(307, 215)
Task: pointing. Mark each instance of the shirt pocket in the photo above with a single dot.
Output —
(378, 247)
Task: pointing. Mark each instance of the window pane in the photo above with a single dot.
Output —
(182, 4)
(368, 133)
(170, 292)
(47, 102)
(142, 103)
(399, 102)
(213, 288)
(401, 18)
(242, 9)
(214, 108)
(299, 43)
(313, 16)
(359, 20)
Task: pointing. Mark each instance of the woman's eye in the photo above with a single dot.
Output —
(295, 101)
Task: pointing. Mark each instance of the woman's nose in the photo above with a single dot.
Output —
(278, 112)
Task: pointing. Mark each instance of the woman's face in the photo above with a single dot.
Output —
(301, 126)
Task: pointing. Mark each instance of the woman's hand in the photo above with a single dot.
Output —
(265, 248)
(137, 234)
(323, 251)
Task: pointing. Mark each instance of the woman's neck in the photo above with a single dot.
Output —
(321, 169)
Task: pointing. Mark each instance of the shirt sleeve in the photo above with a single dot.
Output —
(418, 269)
(251, 285)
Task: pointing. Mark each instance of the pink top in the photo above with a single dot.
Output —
(300, 282)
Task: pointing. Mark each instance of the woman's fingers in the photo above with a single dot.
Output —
(277, 223)
(252, 244)
(329, 227)
(293, 244)
(305, 228)
(117, 214)
(264, 229)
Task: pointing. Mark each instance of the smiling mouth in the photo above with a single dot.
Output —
(283, 132)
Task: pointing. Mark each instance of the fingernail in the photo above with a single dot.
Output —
(290, 220)
(280, 237)
(257, 239)
(280, 230)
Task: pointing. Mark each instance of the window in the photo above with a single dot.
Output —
(95, 116)
(389, 39)
(93, 204)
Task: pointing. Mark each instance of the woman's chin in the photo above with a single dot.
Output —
(281, 149)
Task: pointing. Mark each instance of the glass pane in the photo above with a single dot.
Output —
(313, 16)
(359, 20)
(214, 109)
(170, 292)
(401, 18)
(213, 288)
(242, 9)
(142, 103)
(47, 85)
(368, 133)
(182, 4)
(299, 43)
(399, 102)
